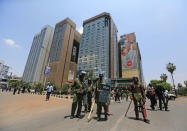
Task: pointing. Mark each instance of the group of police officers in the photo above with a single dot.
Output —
(85, 92)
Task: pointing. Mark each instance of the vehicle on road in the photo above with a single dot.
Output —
(32, 90)
(171, 96)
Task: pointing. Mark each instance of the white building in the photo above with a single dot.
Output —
(38, 56)
(3, 70)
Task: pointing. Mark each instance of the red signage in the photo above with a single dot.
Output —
(129, 63)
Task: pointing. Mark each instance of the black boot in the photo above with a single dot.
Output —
(106, 117)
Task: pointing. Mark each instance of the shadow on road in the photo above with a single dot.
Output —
(140, 119)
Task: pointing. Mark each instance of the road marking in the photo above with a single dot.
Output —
(114, 128)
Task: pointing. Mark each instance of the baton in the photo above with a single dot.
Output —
(128, 108)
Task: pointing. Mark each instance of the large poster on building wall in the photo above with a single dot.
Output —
(71, 76)
(129, 55)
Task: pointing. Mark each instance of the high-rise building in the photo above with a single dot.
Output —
(64, 53)
(3, 70)
(98, 45)
(130, 64)
(38, 56)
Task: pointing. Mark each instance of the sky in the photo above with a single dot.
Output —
(160, 27)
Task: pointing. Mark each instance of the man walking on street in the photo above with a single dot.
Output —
(166, 97)
(160, 93)
(49, 90)
(151, 95)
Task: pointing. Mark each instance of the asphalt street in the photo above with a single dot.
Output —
(56, 116)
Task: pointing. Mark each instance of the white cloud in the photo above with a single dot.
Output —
(80, 30)
(11, 43)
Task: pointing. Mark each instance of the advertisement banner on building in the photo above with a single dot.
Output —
(129, 55)
(47, 70)
(71, 76)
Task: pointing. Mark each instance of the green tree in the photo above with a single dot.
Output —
(165, 85)
(65, 87)
(163, 77)
(39, 87)
(171, 68)
(185, 82)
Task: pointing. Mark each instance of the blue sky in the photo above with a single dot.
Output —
(160, 27)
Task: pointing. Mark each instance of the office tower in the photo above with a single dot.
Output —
(98, 45)
(3, 70)
(38, 56)
(64, 53)
(130, 64)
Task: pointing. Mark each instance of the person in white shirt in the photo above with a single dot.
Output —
(166, 96)
(49, 90)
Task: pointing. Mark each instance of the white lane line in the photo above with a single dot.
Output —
(114, 128)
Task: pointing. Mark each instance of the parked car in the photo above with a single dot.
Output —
(171, 96)
(32, 90)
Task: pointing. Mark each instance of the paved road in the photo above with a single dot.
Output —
(56, 116)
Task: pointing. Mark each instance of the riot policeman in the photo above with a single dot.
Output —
(90, 93)
(78, 91)
(138, 97)
(100, 104)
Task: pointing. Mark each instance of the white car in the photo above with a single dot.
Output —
(32, 90)
(171, 96)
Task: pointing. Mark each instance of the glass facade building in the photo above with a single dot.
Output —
(38, 56)
(98, 45)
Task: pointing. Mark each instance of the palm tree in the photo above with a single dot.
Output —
(171, 68)
(163, 77)
(185, 82)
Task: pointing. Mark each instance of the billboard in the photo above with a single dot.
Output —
(71, 76)
(128, 55)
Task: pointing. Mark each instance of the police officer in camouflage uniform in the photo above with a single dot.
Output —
(78, 91)
(100, 104)
(90, 93)
(138, 97)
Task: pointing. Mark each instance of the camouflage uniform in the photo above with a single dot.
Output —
(100, 104)
(89, 96)
(77, 97)
(138, 98)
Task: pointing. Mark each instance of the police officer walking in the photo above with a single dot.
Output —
(78, 91)
(138, 98)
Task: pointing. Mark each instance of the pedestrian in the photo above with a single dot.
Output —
(138, 98)
(23, 90)
(166, 97)
(49, 90)
(78, 91)
(151, 95)
(117, 96)
(160, 93)
(15, 89)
